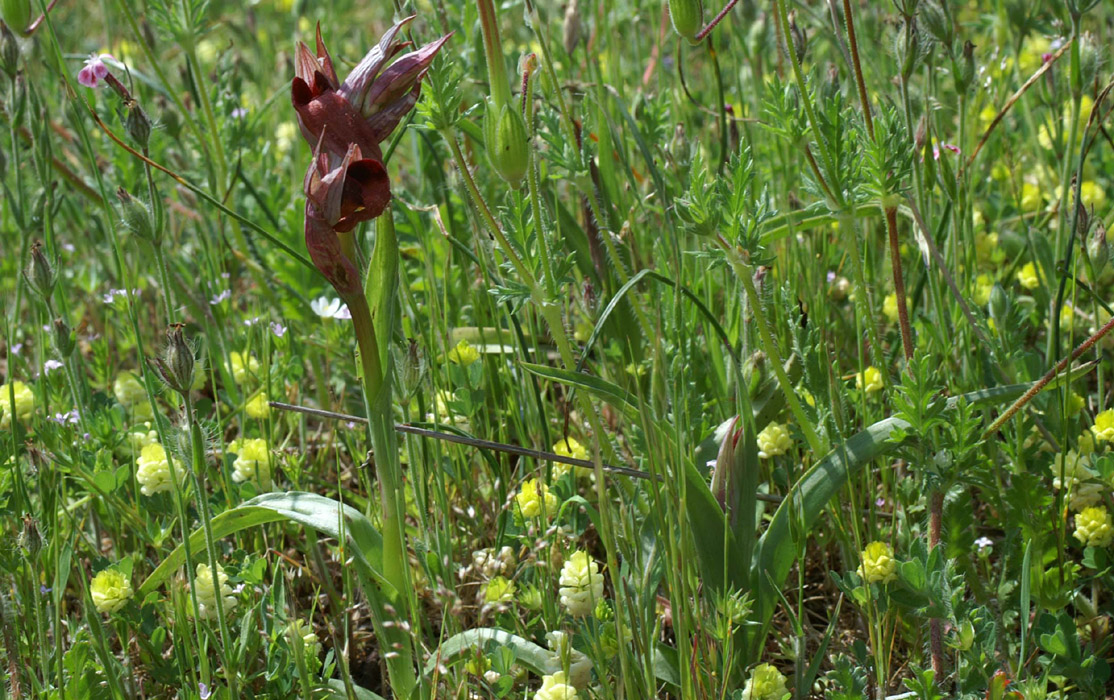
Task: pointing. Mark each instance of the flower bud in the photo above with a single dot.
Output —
(16, 13)
(1098, 250)
(800, 38)
(999, 305)
(64, 338)
(30, 537)
(936, 20)
(964, 68)
(175, 364)
(571, 31)
(9, 50)
(687, 17)
(138, 124)
(507, 143)
(137, 216)
(40, 273)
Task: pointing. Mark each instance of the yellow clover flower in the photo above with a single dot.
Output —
(24, 402)
(207, 591)
(774, 440)
(132, 395)
(869, 380)
(463, 354)
(253, 461)
(153, 473)
(258, 406)
(1027, 276)
(581, 584)
(532, 496)
(569, 447)
(556, 688)
(1103, 429)
(878, 563)
(765, 683)
(1092, 527)
(244, 366)
(111, 590)
(983, 285)
(1031, 197)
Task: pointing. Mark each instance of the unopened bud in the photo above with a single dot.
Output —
(920, 136)
(687, 17)
(936, 20)
(964, 68)
(9, 51)
(40, 273)
(1098, 250)
(413, 369)
(30, 537)
(1090, 56)
(138, 124)
(507, 143)
(137, 216)
(999, 305)
(571, 31)
(65, 341)
(175, 364)
(800, 38)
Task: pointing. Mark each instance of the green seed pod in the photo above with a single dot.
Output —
(138, 124)
(30, 537)
(9, 51)
(999, 304)
(65, 341)
(936, 20)
(507, 143)
(16, 14)
(1098, 250)
(964, 68)
(137, 216)
(40, 273)
(687, 17)
(175, 364)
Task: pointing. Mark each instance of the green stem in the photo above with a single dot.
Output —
(197, 468)
(769, 345)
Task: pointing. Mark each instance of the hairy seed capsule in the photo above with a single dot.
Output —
(9, 51)
(687, 17)
(137, 216)
(176, 363)
(40, 273)
(64, 340)
(138, 124)
(507, 143)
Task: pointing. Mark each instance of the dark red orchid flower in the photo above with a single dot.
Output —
(347, 183)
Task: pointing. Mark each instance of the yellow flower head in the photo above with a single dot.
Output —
(765, 683)
(569, 447)
(555, 687)
(1031, 197)
(1103, 429)
(1067, 316)
(889, 307)
(878, 563)
(24, 402)
(1092, 527)
(581, 584)
(983, 285)
(1092, 195)
(532, 497)
(111, 590)
(207, 591)
(986, 249)
(253, 461)
(244, 366)
(131, 394)
(1027, 276)
(153, 470)
(258, 406)
(774, 440)
(869, 380)
(463, 354)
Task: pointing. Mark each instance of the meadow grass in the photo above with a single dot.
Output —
(556, 350)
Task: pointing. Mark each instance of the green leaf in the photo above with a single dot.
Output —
(538, 659)
(600, 388)
(308, 509)
(806, 501)
(335, 689)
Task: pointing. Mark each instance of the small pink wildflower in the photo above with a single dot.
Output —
(94, 71)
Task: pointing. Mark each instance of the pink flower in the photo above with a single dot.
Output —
(94, 71)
